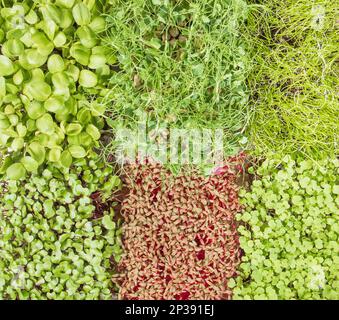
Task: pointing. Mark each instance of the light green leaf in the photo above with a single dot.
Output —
(87, 37)
(59, 40)
(13, 48)
(38, 90)
(35, 110)
(45, 124)
(77, 152)
(54, 104)
(29, 163)
(98, 24)
(73, 129)
(54, 154)
(81, 14)
(108, 223)
(88, 79)
(80, 53)
(37, 151)
(65, 3)
(2, 87)
(55, 63)
(16, 171)
(6, 66)
(17, 144)
(66, 159)
(93, 131)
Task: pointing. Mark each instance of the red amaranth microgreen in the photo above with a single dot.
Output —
(180, 238)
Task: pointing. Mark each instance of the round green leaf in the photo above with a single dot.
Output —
(17, 144)
(60, 80)
(9, 109)
(59, 134)
(93, 131)
(4, 124)
(16, 171)
(38, 75)
(29, 163)
(41, 42)
(30, 124)
(85, 139)
(31, 59)
(74, 72)
(97, 61)
(55, 63)
(35, 110)
(87, 37)
(54, 154)
(31, 17)
(65, 3)
(38, 90)
(43, 139)
(108, 223)
(81, 14)
(77, 152)
(73, 129)
(2, 87)
(80, 53)
(84, 116)
(74, 140)
(13, 48)
(45, 124)
(13, 119)
(67, 19)
(66, 159)
(98, 24)
(60, 40)
(37, 151)
(88, 79)
(6, 66)
(97, 109)
(5, 164)
(54, 104)
(18, 78)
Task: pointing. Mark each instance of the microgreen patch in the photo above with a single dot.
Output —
(289, 231)
(53, 243)
(183, 62)
(294, 84)
(53, 72)
(180, 240)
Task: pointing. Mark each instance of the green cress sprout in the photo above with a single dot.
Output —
(289, 232)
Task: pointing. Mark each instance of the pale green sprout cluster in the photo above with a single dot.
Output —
(51, 246)
(289, 232)
(53, 71)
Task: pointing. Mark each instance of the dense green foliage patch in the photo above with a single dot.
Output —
(294, 84)
(51, 244)
(289, 232)
(183, 62)
(53, 70)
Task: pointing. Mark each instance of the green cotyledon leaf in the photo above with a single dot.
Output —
(6, 66)
(81, 14)
(16, 171)
(77, 152)
(37, 151)
(45, 124)
(38, 90)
